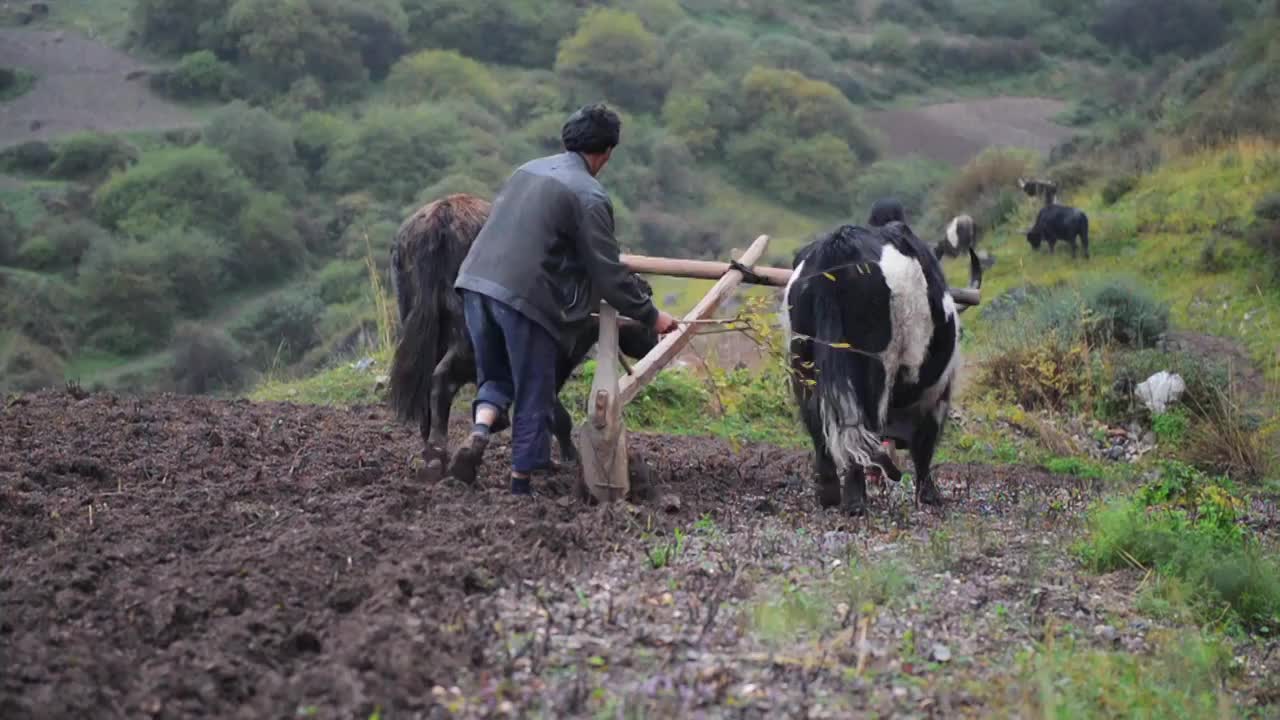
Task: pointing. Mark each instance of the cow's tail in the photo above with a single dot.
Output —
(848, 315)
(422, 287)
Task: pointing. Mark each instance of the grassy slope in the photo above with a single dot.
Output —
(1157, 233)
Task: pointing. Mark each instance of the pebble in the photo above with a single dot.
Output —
(941, 653)
(1106, 633)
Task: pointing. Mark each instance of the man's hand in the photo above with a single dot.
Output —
(665, 323)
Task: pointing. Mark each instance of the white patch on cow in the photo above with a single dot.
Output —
(949, 307)
(912, 322)
(952, 237)
(786, 309)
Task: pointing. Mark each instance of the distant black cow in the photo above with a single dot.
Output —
(1060, 223)
(885, 211)
(874, 341)
(434, 357)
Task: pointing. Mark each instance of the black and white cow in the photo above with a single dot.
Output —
(1060, 223)
(874, 341)
(962, 234)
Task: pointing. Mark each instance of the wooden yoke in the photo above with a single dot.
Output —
(602, 437)
(771, 276)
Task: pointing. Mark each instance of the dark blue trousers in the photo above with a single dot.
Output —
(515, 365)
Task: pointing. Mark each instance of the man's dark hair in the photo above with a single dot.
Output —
(591, 129)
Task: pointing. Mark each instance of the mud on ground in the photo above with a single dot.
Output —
(184, 557)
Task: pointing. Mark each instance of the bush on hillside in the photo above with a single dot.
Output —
(33, 156)
(659, 16)
(1114, 311)
(205, 361)
(342, 281)
(1268, 207)
(267, 246)
(393, 153)
(536, 94)
(283, 329)
(667, 234)
(11, 236)
(173, 27)
(1148, 28)
(259, 144)
(702, 114)
(510, 32)
(129, 298)
(614, 56)
(198, 76)
(983, 57)
(62, 245)
(441, 75)
(46, 309)
(184, 187)
(91, 155)
(314, 138)
(279, 43)
(27, 366)
(196, 263)
(696, 51)
(911, 180)
(984, 180)
(1117, 187)
(806, 108)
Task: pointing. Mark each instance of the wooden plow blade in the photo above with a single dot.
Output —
(602, 437)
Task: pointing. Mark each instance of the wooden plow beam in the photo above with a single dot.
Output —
(602, 438)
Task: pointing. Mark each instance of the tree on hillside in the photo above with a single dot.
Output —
(511, 32)
(806, 107)
(438, 74)
(259, 144)
(193, 187)
(394, 153)
(1153, 27)
(613, 54)
(181, 26)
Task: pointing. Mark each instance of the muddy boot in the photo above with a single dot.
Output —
(466, 461)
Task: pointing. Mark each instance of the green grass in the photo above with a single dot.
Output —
(1184, 679)
(341, 384)
(24, 200)
(104, 20)
(1157, 232)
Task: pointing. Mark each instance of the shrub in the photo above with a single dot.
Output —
(911, 180)
(1268, 207)
(438, 75)
(33, 156)
(27, 366)
(1038, 368)
(395, 152)
(43, 308)
(805, 108)
(1148, 28)
(205, 361)
(510, 32)
(694, 49)
(983, 178)
(268, 244)
(259, 144)
(613, 54)
(11, 236)
(198, 75)
(1117, 188)
(91, 155)
(314, 138)
(1121, 311)
(183, 187)
(281, 42)
(891, 43)
(283, 329)
(129, 297)
(342, 281)
(1186, 525)
(180, 26)
(62, 245)
(196, 263)
(1230, 440)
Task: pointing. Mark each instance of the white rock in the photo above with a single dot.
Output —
(941, 653)
(1159, 390)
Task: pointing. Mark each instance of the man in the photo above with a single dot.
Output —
(533, 277)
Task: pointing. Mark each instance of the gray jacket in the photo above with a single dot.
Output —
(548, 250)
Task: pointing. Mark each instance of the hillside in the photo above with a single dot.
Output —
(741, 119)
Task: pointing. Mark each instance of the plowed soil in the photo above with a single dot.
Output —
(177, 557)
